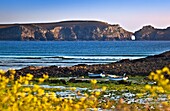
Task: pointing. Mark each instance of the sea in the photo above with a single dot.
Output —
(20, 54)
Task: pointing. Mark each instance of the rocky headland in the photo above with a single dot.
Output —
(64, 31)
(78, 31)
(131, 67)
(151, 33)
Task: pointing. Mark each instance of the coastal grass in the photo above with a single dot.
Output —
(134, 84)
(25, 94)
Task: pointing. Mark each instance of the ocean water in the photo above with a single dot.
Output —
(19, 54)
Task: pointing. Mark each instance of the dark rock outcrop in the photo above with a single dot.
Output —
(68, 30)
(151, 33)
(132, 67)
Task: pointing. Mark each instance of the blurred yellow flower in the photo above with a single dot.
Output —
(165, 103)
(165, 69)
(93, 81)
(139, 95)
(76, 106)
(147, 87)
(162, 77)
(82, 99)
(27, 89)
(104, 88)
(12, 72)
(41, 80)
(26, 82)
(2, 72)
(73, 88)
(158, 71)
(40, 92)
(97, 93)
(36, 87)
(45, 76)
(29, 76)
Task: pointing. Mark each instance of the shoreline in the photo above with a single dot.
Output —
(140, 67)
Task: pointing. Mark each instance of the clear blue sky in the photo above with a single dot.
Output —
(130, 14)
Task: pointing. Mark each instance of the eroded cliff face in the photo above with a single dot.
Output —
(151, 33)
(10, 33)
(69, 30)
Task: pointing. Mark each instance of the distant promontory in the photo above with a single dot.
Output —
(78, 31)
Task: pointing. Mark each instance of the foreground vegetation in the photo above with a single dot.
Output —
(20, 94)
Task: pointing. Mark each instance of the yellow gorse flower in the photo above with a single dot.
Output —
(2, 72)
(41, 80)
(97, 93)
(29, 77)
(166, 69)
(104, 88)
(161, 80)
(93, 81)
(45, 76)
(12, 72)
(147, 87)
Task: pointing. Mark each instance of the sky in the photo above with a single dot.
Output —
(130, 14)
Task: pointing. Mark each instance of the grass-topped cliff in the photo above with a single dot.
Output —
(66, 30)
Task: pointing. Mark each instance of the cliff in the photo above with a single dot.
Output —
(67, 30)
(151, 33)
(78, 30)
